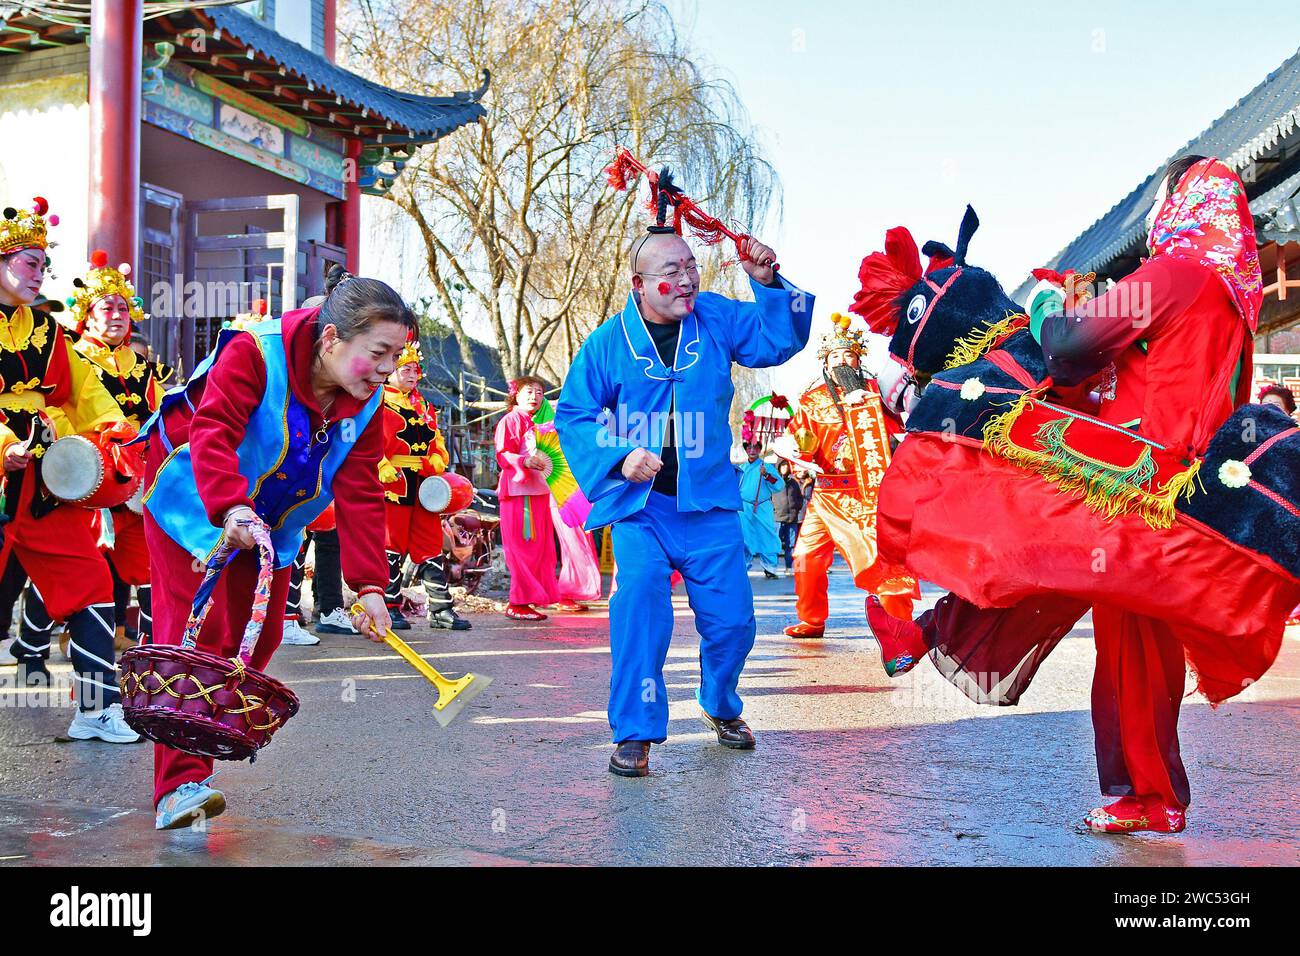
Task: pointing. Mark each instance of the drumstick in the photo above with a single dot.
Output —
(42, 428)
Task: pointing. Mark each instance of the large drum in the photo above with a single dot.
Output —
(93, 475)
(447, 493)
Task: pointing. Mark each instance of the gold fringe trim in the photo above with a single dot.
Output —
(1104, 488)
(975, 344)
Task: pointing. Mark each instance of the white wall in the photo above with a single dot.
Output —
(44, 129)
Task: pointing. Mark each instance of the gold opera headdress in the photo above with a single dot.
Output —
(101, 281)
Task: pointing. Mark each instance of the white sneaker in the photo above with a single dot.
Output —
(294, 634)
(335, 622)
(108, 725)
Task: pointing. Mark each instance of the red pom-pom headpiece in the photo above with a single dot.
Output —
(884, 276)
(98, 259)
(665, 195)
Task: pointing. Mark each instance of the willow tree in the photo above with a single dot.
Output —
(517, 222)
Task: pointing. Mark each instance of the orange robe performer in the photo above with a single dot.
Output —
(845, 438)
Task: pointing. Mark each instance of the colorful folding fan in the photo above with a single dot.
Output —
(543, 440)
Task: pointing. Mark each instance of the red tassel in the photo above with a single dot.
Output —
(616, 172)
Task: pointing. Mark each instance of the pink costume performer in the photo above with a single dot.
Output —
(527, 532)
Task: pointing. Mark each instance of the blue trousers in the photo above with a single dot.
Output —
(709, 551)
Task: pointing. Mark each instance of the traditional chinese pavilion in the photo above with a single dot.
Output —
(218, 147)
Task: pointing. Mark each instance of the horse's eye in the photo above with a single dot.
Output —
(916, 309)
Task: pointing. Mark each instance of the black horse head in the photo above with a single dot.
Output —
(946, 306)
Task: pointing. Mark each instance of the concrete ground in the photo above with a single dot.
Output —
(851, 767)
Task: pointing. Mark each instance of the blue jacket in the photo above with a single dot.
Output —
(618, 393)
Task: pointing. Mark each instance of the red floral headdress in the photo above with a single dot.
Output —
(1207, 219)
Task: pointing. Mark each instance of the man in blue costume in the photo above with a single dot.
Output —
(759, 480)
(643, 419)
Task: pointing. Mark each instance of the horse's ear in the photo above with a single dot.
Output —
(933, 248)
(969, 223)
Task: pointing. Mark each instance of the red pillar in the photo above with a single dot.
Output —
(116, 43)
(352, 207)
(331, 12)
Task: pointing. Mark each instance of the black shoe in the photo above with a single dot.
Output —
(400, 623)
(448, 620)
(770, 575)
(32, 672)
(734, 733)
(631, 759)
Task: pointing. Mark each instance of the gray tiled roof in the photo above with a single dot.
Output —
(424, 116)
(1254, 125)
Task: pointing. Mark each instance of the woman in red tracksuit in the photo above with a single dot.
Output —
(335, 357)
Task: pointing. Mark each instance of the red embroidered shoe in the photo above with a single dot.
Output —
(524, 612)
(902, 644)
(804, 630)
(1132, 815)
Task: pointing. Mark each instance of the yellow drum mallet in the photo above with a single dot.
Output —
(453, 695)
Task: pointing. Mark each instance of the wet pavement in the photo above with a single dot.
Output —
(851, 767)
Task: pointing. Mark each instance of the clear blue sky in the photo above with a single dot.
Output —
(1041, 115)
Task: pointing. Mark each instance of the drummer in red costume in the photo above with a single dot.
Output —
(106, 310)
(413, 451)
(279, 421)
(43, 378)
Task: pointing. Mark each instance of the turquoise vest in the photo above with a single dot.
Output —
(289, 474)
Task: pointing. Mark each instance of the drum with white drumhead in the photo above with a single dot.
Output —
(77, 470)
(447, 493)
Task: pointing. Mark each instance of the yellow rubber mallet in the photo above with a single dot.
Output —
(453, 695)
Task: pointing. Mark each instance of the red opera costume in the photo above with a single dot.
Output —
(136, 385)
(1147, 510)
(414, 450)
(41, 372)
(842, 513)
(527, 533)
(1203, 291)
(41, 377)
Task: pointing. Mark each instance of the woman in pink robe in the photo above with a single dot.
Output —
(527, 531)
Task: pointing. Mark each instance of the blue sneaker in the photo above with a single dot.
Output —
(187, 803)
